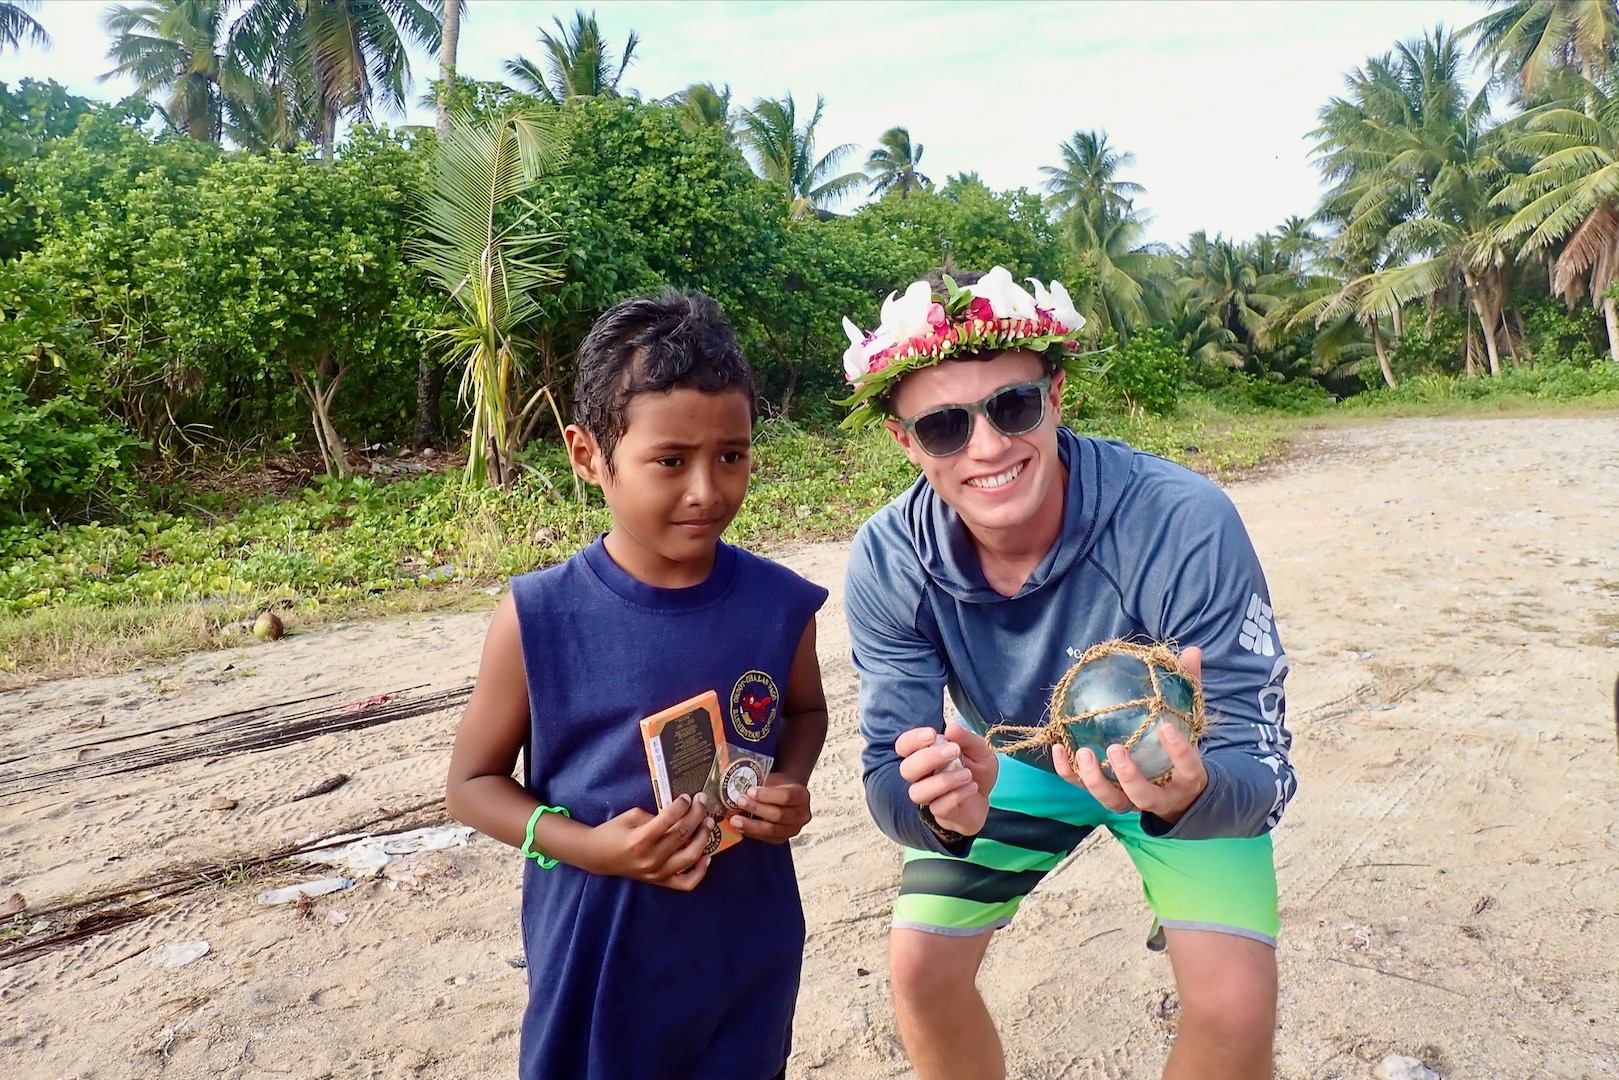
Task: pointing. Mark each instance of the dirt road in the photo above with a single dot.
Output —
(1448, 591)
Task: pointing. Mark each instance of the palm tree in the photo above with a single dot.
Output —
(488, 246)
(1314, 302)
(1297, 243)
(1328, 306)
(1572, 192)
(701, 105)
(1528, 41)
(181, 48)
(1223, 283)
(785, 153)
(893, 165)
(17, 26)
(1088, 181)
(1416, 171)
(1127, 281)
(578, 63)
(330, 59)
(430, 371)
(449, 43)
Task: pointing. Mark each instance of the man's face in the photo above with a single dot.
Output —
(997, 482)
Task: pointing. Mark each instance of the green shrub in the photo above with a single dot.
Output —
(1238, 392)
(1425, 350)
(57, 455)
(1557, 335)
(1548, 382)
(1146, 372)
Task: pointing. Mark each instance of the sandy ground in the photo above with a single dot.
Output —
(1449, 594)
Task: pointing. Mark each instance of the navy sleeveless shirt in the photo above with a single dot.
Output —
(630, 981)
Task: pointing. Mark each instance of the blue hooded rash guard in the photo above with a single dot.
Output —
(1148, 550)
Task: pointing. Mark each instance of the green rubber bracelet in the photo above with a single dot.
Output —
(528, 838)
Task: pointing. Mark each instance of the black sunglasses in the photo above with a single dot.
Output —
(1012, 410)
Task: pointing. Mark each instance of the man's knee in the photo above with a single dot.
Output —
(1239, 1001)
(922, 964)
(1237, 1012)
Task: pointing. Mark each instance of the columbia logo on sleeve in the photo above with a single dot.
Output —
(1255, 635)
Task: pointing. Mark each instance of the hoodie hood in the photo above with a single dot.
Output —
(1098, 471)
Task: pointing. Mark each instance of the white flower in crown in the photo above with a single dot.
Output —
(920, 328)
(855, 361)
(1057, 304)
(1004, 295)
(907, 317)
(863, 347)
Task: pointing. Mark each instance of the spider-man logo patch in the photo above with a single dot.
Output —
(755, 704)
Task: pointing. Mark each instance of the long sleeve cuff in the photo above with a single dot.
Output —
(1235, 804)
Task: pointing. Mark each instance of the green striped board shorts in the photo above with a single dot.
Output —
(1037, 818)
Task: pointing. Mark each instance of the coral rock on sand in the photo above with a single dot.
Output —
(1397, 1067)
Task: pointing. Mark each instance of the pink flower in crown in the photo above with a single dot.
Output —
(936, 315)
(980, 308)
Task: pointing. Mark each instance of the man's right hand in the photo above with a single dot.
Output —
(663, 849)
(957, 798)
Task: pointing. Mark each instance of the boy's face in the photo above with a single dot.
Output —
(680, 472)
(997, 482)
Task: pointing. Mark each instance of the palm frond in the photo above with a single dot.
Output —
(18, 27)
(1397, 286)
(485, 243)
(1592, 253)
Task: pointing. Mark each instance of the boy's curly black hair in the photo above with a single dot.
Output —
(651, 345)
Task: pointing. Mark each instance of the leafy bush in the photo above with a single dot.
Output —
(1437, 349)
(57, 455)
(1544, 382)
(1147, 372)
(1557, 335)
(1233, 391)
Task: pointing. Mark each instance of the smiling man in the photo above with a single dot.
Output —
(1021, 545)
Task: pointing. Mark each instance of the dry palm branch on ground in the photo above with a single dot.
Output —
(257, 732)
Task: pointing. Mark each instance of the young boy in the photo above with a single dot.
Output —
(646, 957)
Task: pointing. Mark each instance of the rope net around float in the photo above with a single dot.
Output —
(1156, 657)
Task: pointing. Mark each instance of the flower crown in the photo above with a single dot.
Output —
(921, 328)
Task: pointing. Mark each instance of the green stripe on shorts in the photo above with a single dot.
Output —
(1037, 818)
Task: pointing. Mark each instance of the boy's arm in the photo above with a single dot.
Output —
(666, 849)
(781, 806)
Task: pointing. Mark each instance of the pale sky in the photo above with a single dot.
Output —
(1214, 99)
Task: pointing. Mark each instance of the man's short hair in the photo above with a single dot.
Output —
(651, 345)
